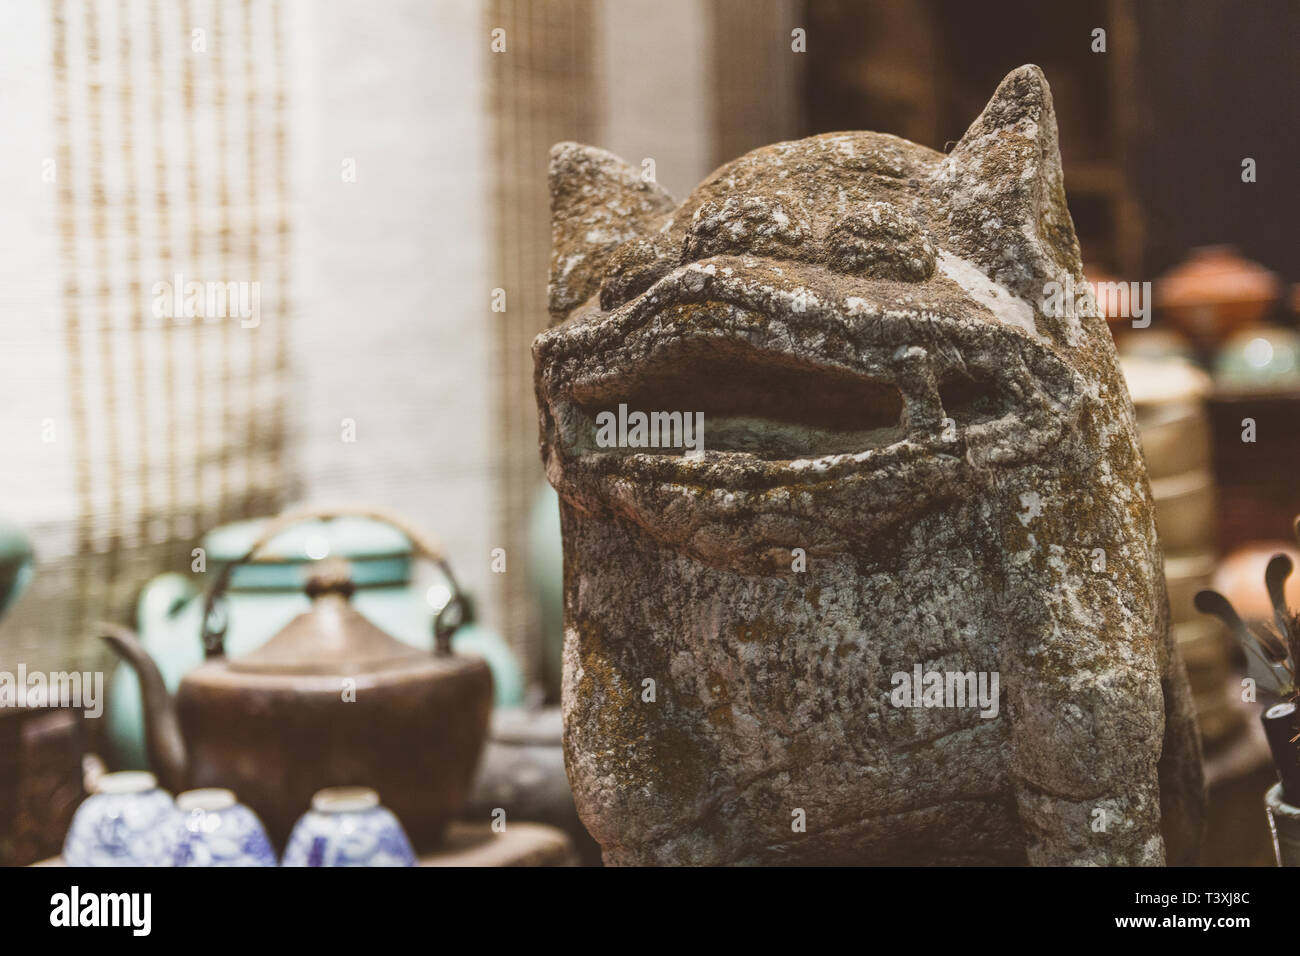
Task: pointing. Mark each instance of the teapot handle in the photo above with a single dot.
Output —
(448, 619)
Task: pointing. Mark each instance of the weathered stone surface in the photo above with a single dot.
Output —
(861, 321)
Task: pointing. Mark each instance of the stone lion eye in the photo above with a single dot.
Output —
(762, 225)
(881, 242)
(635, 266)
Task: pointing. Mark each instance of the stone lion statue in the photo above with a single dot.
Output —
(899, 597)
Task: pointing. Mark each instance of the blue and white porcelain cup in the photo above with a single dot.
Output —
(215, 829)
(346, 826)
(127, 821)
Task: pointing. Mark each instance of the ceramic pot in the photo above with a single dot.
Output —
(523, 774)
(265, 594)
(1169, 398)
(1185, 515)
(1239, 574)
(128, 821)
(1237, 578)
(1186, 573)
(215, 830)
(1216, 292)
(346, 826)
(41, 780)
(1284, 821)
(1155, 345)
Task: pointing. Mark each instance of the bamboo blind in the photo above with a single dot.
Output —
(169, 147)
(756, 76)
(543, 89)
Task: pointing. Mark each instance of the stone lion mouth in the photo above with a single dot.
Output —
(765, 405)
(885, 404)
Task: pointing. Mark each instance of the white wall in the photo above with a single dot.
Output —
(391, 319)
(36, 477)
(657, 100)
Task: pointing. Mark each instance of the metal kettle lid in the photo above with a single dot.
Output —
(331, 637)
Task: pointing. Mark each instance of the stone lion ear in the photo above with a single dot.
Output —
(1004, 193)
(598, 202)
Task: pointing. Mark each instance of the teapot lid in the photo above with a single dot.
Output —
(331, 637)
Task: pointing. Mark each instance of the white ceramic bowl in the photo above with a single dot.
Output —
(214, 829)
(346, 826)
(128, 821)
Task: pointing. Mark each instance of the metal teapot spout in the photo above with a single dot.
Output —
(166, 746)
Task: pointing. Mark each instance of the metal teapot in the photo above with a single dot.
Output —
(331, 700)
(265, 594)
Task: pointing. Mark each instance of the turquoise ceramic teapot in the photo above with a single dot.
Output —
(1259, 359)
(265, 594)
(15, 564)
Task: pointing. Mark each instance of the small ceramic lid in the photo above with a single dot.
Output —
(207, 799)
(331, 637)
(344, 800)
(126, 781)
